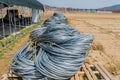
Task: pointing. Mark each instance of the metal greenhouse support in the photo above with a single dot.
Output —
(14, 21)
(10, 20)
(35, 16)
(3, 25)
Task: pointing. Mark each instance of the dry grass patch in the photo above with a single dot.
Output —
(97, 47)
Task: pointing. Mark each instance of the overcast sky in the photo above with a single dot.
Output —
(80, 3)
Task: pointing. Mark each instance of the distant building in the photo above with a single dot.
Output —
(105, 12)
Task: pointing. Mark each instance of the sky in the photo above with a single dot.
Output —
(84, 4)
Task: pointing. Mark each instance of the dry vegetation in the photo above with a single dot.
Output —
(106, 45)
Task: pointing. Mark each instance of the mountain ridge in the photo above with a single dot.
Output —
(111, 8)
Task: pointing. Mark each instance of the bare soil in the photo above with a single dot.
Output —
(106, 45)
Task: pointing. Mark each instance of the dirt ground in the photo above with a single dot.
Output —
(106, 30)
(5, 59)
(106, 45)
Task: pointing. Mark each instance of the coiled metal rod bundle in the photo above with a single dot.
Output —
(55, 53)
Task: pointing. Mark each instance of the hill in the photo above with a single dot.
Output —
(112, 8)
